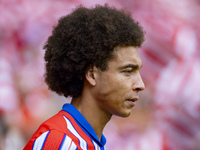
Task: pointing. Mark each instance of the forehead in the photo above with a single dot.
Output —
(126, 55)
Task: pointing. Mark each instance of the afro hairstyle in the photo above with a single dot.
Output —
(86, 37)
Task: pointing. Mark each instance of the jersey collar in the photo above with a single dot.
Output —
(84, 124)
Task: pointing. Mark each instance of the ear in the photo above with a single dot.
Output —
(91, 74)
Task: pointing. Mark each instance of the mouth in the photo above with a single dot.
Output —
(132, 101)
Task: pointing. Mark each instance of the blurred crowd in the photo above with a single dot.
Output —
(167, 117)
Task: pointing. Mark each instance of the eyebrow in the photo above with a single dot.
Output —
(134, 66)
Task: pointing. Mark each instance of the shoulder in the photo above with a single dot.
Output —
(61, 132)
(51, 133)
(52, 139)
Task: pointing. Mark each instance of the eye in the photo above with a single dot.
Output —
(127, 72)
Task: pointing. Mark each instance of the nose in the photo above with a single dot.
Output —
(139, 84)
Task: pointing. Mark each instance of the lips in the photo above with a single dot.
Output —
(132, 100)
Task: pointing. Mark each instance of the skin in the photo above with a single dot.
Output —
(111, 92)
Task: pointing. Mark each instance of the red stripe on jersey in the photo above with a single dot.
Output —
(74, 139)
(53, 140)
(57, 123)
(70, 145)
(90, 145)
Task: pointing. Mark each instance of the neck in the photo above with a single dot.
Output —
(97, 118)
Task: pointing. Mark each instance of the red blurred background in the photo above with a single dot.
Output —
(167, 117)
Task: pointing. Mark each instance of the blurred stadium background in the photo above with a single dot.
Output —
(167, 117)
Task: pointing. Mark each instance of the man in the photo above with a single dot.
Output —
(92, 56)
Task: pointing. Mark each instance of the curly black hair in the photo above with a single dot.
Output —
(86, 37)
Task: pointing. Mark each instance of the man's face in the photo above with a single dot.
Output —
(117, 88)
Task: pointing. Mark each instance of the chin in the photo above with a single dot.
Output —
(124, 115)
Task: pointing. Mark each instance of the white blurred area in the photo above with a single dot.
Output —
(167, 116)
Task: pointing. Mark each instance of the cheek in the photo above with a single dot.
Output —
(109, 85)
(115, 91)
(114, 87)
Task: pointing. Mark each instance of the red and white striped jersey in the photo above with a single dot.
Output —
(69, 130)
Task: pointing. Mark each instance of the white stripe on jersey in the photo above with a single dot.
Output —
(40, 141)
(73, 146)
(66, 143)
(83, 143)
(96, 146)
